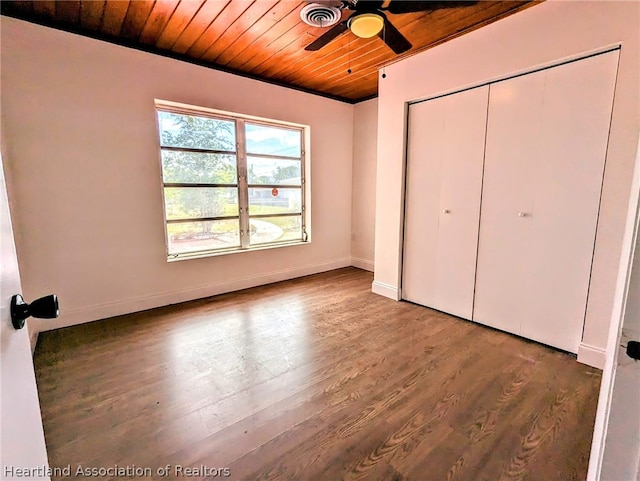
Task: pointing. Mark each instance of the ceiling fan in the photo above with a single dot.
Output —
(368, 19)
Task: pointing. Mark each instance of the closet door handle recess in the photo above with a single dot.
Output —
(523, 214)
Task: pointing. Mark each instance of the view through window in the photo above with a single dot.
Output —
(230, 183)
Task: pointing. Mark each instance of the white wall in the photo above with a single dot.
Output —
(79, 120)
(363, 207)
(544, 33)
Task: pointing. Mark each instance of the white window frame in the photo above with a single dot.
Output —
(242, 184)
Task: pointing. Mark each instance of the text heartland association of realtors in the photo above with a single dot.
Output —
(116, 470)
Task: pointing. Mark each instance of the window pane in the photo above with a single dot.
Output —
(179, 130)
(275, 229)
(194, 202)
(197, 168)
(273, 171)
(267, 140)
(274, 201)
(201, 236)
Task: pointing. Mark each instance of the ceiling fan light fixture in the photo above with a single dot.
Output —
(366, 25)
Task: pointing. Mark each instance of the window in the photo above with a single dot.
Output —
(230, 182)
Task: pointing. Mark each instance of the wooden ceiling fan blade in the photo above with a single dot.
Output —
(398, 6)
(327, 37)
(393, 38)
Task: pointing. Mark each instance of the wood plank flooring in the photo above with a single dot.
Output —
(312, 379)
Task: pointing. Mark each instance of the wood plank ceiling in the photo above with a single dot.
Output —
(263, 39)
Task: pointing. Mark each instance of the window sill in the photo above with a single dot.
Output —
(203, 254)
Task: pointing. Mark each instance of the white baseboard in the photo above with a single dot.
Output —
(385, 290)
(87, 314)
(362, 263)
(591, 355)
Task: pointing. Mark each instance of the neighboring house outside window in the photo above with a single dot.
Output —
(230, 182)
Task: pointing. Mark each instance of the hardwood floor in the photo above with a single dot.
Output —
(312, 379)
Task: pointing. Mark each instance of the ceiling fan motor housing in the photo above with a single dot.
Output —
(319, 15)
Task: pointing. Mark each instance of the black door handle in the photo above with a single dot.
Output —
(44, 308)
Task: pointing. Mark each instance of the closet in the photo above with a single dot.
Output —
(530, 191)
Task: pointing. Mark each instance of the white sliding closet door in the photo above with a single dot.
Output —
(445, 155)
(546, 145)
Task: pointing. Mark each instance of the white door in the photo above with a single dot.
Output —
(546, 147)
(578, 99)
(22, 442)
(621, 456)
(445, 155)
(513, 128)
(615, 451)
